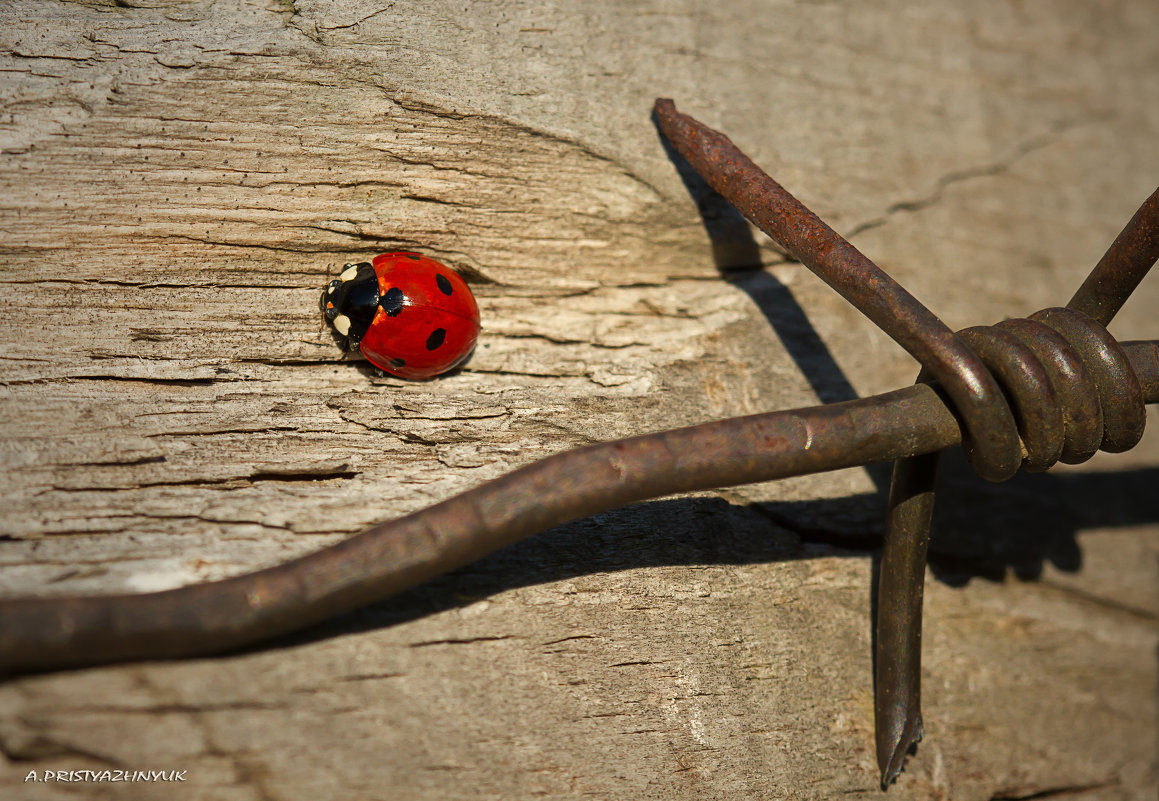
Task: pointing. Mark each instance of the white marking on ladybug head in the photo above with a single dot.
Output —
(349, 273)
(342, 324)
(330, 289)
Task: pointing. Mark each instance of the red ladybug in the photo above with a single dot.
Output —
(407, 314)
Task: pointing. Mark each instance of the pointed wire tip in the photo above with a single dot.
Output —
(664, 108)
(893, 769)
(909, 738)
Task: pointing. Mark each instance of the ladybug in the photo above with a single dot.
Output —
(409, 315)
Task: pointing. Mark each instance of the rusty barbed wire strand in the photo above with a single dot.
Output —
(398, 555)
(392, 557)
(202, 619)
(1070, 383)
(1073, 388)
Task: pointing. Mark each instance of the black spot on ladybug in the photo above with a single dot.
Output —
(414, 256)
(391, 301)
(397, 363)
(436, 338)
(444, 284)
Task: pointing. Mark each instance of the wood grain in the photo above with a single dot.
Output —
(178, 178)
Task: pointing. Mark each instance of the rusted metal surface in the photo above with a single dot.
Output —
(1072, 387)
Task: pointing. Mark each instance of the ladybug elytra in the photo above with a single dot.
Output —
(409, 315)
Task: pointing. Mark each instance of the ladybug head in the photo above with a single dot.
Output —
(349, 302)
(327, 299)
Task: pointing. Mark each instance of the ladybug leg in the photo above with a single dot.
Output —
(322, 300)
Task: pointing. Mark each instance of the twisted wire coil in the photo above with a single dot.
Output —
(1068, 384)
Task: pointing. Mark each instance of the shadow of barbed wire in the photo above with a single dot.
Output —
(988, 531)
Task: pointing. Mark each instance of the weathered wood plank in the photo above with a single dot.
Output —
(176, 181)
